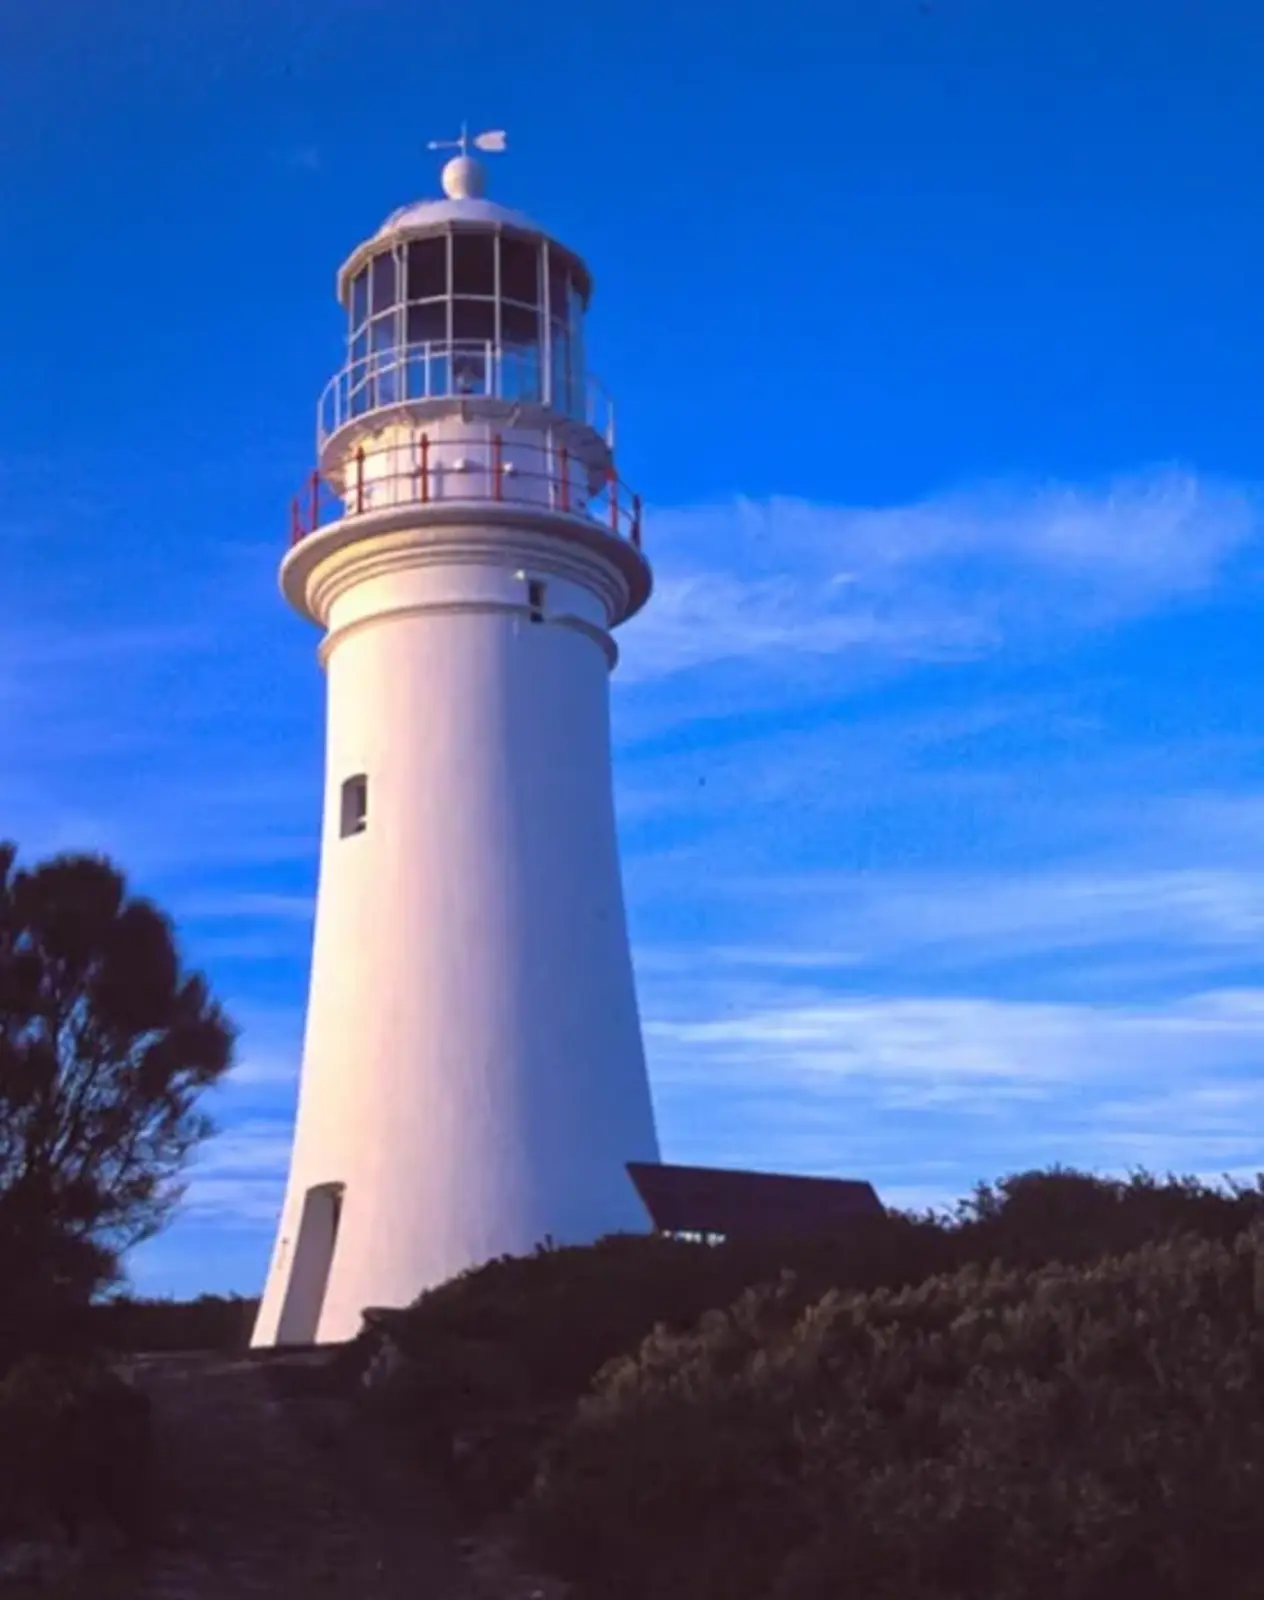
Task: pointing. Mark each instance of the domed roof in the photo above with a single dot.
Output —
(464, 184)
(436, 213)
(463, 203)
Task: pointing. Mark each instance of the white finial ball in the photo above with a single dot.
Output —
(463, 178)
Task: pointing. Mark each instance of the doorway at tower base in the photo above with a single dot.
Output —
(310, 1264)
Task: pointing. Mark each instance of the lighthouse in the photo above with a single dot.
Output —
(473, 1077)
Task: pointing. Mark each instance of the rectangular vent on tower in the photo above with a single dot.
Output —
(535, 599)
(355, 805)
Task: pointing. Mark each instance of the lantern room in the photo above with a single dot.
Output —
(461, 298)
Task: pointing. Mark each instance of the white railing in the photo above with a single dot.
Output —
(467, 368)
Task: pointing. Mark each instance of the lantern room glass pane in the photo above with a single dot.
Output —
(427, 268)
(427, 322)
(520, 373)
(473, 319)
(360, 299)
(385, 286)
(519, 325)
(561, 373)
(472, 372)
(473, 263)
(520, 271)
(382, 333)
(384, 360)
(576, 331)
(559, 279)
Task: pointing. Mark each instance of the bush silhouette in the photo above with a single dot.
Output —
(124, 1324)
(1085, 1432)
(497, 1357)
(74, 1448)
(905, 1408)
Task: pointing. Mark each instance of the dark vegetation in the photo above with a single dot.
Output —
(1058, 1391)
(125, 1325)
(106, 1045)
(74, 1449)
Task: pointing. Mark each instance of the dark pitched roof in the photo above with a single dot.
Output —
(748, 1204)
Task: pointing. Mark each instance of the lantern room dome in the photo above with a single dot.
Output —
(464, 188)
(463, 208)
(424, 214)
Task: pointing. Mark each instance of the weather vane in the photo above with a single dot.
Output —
(493, 141)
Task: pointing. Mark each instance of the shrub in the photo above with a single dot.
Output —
(211, 1322)
(1079, 1433)
(496, 1360)
(1029, 1219)
(74, 1447)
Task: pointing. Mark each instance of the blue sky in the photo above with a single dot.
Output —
(936, 334)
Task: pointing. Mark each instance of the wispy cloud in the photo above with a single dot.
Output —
(241, 1172)
(940, 1091)
(946, 1045)
(957, 575)
(988, 917)
(249, 906)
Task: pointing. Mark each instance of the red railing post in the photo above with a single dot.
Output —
(566, 478)
(498, 483)
(612, 487)
(424, 469)
(315, 506)
(296, 532)
(636, 520)
(360, 480)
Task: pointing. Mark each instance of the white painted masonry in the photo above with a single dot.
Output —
(473, 1077)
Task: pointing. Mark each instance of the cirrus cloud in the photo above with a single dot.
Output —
(955, 575)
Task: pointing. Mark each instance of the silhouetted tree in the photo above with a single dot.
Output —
(106, 1043)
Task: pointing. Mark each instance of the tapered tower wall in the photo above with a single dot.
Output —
(473, 1078)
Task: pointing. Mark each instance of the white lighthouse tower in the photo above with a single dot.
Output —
(473, 1075)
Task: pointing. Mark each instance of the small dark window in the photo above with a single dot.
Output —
(520, 271)
(535, 599)
(427, 269)
(473, 263)
(355, 805)
(384, 287)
